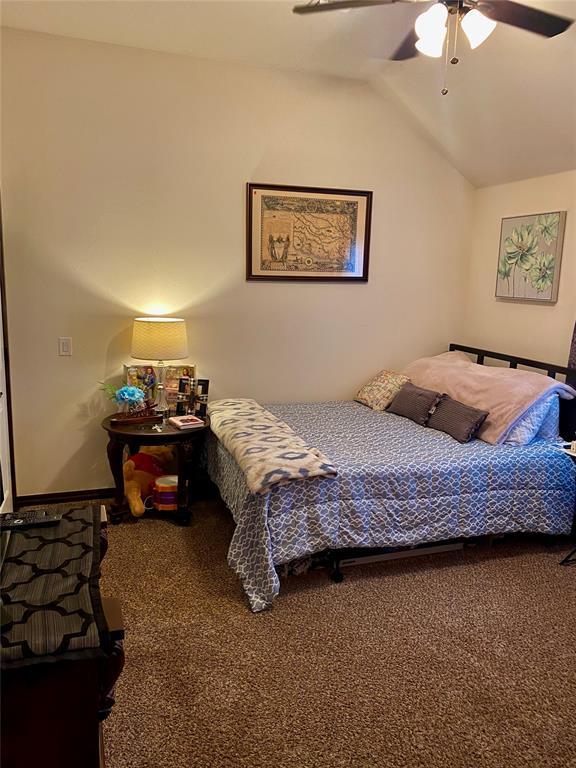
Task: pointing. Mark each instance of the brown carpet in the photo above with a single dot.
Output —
(457, 660)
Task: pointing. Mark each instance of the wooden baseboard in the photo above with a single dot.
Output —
(63, 497)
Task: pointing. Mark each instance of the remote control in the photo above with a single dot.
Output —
(11, 520)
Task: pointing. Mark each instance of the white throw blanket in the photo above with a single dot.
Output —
(266, 449)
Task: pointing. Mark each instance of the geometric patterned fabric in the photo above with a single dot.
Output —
(398, 484)
(50, 601)
(268, 450)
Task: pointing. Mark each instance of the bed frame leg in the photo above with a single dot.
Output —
(336, 574)
(569, 559)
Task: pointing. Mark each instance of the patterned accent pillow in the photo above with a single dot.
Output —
(458, 420)
(379, 392)
(415, 403)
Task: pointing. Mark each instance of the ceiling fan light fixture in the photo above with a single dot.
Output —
(430, 27)
(477, 27)
(431, 22)
(433, 45)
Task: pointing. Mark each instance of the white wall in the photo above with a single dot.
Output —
(537, 331)
(123, 186)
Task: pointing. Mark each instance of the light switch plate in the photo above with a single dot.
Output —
(65, 346)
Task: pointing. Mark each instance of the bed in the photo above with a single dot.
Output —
(398, 485)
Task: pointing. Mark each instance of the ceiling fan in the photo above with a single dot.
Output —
(477, 18)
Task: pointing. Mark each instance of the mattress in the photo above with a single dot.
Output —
(398, 484)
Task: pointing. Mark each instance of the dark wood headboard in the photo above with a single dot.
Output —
(567, 407)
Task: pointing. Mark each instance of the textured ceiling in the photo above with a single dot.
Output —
(511, 108)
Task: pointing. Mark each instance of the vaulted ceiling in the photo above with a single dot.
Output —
(511, 108)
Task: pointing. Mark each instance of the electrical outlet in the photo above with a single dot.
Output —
(65, 346)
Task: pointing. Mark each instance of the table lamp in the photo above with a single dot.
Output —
(159, 338)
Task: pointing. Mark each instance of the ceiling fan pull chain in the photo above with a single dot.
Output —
(444, 90)
(456, 13)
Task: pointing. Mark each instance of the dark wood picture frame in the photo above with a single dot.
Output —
(290, 275)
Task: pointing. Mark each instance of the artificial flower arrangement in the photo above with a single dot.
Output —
(132, 403)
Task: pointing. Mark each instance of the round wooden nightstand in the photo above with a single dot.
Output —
(188, 443)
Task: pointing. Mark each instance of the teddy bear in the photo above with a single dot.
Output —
(141, 470)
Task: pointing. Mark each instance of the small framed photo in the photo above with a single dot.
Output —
(307, 233)
(529, 257)
(172, 376)
(200, 403)
(146, 377)
(143, 376)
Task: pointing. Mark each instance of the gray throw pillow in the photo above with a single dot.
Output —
(415, 403)
(460, 421)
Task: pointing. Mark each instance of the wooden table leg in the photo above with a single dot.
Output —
(133, 447)
(115, 452)
(186, 452)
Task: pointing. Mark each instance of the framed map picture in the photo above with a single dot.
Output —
(307, 233)
(529, 257)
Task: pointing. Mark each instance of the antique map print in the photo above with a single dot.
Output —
(308, 233)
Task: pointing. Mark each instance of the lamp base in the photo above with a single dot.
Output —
(161, 406)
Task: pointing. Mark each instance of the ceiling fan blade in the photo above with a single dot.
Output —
(531, 19)
(340, 5)
(407, 48)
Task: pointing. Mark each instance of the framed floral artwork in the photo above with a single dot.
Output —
(529, 257)
(307, 233)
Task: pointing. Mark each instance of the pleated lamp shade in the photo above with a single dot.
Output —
(159, 338)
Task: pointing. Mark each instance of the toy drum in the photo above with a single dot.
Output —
(165, 493)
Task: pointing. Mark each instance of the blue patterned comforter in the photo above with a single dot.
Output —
(398, 484)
